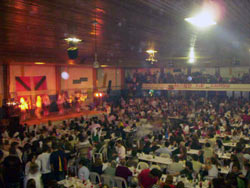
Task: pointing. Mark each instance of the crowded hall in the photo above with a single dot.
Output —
(125, 94)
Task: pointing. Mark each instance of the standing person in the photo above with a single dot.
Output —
(34, 174)
(44, 160)
(58, 162)
(147, 178)
(12, 169)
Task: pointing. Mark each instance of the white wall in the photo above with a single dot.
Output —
(75, 73)
(33, 70)
(106, 74)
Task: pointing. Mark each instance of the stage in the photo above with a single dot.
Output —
(55, 116)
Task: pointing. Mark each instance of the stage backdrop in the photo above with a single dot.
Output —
(32, 80)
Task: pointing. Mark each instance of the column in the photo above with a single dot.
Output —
(58, 78)
(122, 78)
(6, 81)
(94, 79)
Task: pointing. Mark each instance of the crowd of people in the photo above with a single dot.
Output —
(204, 140)
(196, 77)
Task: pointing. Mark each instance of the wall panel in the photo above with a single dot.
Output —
(75, 74)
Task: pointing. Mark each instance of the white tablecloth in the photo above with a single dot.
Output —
(155, 159)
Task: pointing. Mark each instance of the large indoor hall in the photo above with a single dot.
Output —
(124, 94)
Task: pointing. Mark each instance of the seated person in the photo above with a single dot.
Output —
(196, 164)
(164, 149)
(123, 171)
(188, 171)
(147, 178)
(176, 166)
(110, 170)
(83, 172)
(97, 166)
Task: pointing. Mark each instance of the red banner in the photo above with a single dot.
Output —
(40, 82)
(23, 83)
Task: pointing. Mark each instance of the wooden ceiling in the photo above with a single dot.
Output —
(32, 31)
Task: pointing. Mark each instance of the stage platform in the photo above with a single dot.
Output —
(57, 117)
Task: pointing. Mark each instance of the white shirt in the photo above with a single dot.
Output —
(27, 167)
(44, 162)
(121, 152)
(83, 173)
(213, 172)
(36, 177)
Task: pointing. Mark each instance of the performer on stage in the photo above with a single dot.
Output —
(24, 107)
(60, 101)
(46, 105)
(83, 97)
(77, 101)
(38, 107)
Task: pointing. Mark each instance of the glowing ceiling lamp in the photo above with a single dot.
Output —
(39, 63)
(73, 39)
(151, 57)
(204, 19)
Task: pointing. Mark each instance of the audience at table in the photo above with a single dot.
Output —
(181, 77)
(194, 138)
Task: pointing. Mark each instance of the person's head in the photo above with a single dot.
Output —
(180, 184)
(156, 173)
(82, 162)
(195, 157)
(33, 168)
(32, 157)
(176, 158)
(98, 162)
(54, 146)
(207, 145)
(235, 168)
(123, 162)
(119, 143)
(113, 164)
(31, 183)
(12, 151)
(45, 148)
(189, 165)
(169, 180)
(14, 144)
(247, 166)
(166, 144)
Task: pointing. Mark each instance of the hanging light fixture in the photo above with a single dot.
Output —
(151, 58)
(96, 64)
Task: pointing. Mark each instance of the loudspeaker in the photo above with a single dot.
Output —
(109, 87)
(73, 52)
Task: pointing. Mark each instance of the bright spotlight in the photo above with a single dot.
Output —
(203, 19)
(191, 56)
(65, 75)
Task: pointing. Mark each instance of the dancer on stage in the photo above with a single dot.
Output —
(46, 105)
(60, 101)
(38, 107)
(77, 101)
(24, 107)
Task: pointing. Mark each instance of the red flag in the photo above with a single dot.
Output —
(23, 83)
(40, 83)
